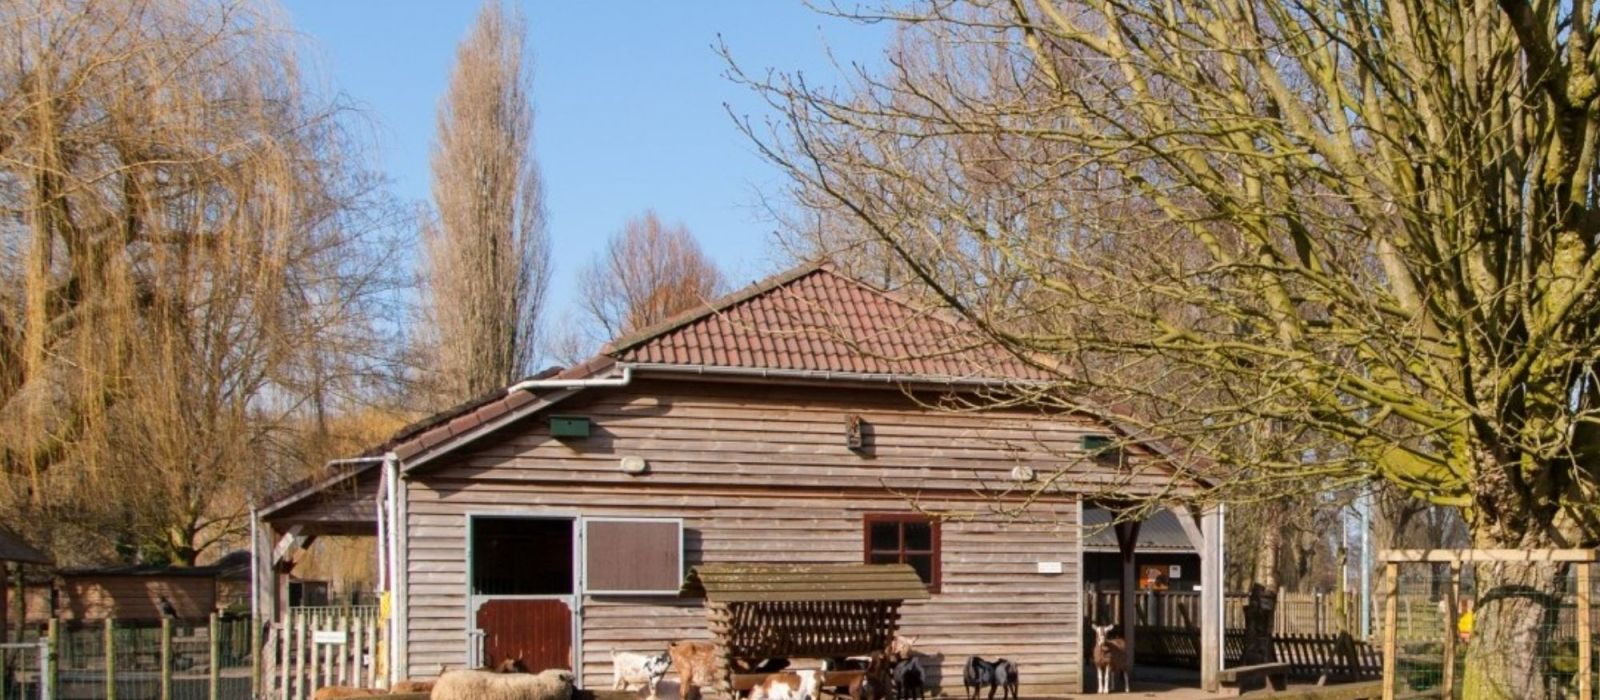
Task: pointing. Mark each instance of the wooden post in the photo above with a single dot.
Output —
(111, 660)
(215, 685)
(1391, 618)
(1585, 660)
(255, 658)
(1211, 600)
(1127, 544)
(166, 658)
(1447, 685)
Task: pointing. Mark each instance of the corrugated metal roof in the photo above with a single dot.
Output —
(1160, 532)
(815, 319)
(13, 548)
(745, 583)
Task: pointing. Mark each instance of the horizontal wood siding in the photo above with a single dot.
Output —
(136, 597)
(763, 475)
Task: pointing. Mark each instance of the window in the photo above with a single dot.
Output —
(633, 556)
(521, 556)
(904, 538)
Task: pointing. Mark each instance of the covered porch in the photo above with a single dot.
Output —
(1201, 528)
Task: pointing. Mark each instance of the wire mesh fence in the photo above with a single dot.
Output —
(135, 660)
(1490, 629)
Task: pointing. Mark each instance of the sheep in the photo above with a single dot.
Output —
(696, 666)
(552, 684)
(789, 685)
(1110, 658)
(908, 679)
(628, 668)
(409, 686)
(333, 692)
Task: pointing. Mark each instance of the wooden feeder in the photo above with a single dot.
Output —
(763, 611)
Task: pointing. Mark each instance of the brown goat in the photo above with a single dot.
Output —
(1110, 658)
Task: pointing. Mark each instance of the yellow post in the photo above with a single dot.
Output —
(111, 661)
(53, 636)
(216, 658)
(1391, 618)
(1585, 683)
(166, 658)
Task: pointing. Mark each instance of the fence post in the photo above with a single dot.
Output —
(111, 660)
(166, 658)
(1447, 685)
(52, 635)
(216, 658)
(255, 657)
(1585, 683)
(1391, 611)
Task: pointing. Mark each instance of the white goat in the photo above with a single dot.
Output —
(789, 685)
(628, 668)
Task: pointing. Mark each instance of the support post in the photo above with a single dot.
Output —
(1585, 640)
(1391, 619)
(1127, 544)
(166, 658)
(111, 660)
(1211, 597)
(215, 637)
(1447, 685)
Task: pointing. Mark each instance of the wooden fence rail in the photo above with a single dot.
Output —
(314, 647)
(1297, 613)
(1338, 658)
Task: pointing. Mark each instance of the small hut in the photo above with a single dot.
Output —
(14, 550)
(763, 611)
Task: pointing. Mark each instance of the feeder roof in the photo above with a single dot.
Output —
(746, 583)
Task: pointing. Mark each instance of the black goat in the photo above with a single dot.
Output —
(908, 680)
(979, 674)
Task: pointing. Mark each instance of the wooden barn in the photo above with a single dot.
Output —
(810, 418)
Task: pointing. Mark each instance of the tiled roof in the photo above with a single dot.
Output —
(815, 319)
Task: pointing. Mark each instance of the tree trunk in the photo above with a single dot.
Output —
(1260, 611)
(1513, 652)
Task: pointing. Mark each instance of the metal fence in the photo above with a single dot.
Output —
(126, 660)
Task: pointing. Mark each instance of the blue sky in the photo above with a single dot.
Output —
(629, 106)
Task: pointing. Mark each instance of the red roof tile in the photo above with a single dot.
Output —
(815, 319)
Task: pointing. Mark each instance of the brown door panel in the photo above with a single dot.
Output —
(537, 631)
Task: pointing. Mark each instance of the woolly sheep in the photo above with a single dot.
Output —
(334, 692)
(552, 684)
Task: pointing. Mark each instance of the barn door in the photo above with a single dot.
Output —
(524, 582)
(537, 631)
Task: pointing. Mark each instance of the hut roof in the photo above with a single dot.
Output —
(13, 548)
(746, 583)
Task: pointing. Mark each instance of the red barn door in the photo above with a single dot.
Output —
(537, 631)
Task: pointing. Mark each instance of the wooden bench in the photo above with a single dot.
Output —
(1276, 676)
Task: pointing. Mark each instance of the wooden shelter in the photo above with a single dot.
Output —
(788, 424)
(763, 611)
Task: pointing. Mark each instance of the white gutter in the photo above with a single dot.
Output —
(391, 478)
(528, 385)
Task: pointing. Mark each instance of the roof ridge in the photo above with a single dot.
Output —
(718, 305)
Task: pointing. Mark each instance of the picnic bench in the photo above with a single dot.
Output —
(764, 611)
(1274, 675)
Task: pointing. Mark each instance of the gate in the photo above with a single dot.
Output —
(539, 632)
(25, 671)
(315, 647)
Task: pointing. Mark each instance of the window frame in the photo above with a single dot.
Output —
(935, 553)
(583, 555)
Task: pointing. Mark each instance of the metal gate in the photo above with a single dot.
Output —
(26, 671)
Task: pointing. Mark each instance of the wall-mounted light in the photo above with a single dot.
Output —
(1023, 474)
(634, 466)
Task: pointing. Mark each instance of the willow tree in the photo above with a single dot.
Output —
(487, 251)
(1320, 241)
(190, 270)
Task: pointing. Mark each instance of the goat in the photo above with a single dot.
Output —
(1005, 672)
(979, 674)
(1110, 658)
(628, 668)
(908, 679)
(696, 666)
(789, 685)
(874, 682)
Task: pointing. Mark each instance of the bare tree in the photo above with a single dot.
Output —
(1318, 241)
(190, 267)
(648, 272)
(488, 262)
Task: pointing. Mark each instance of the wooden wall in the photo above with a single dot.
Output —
(762, 474)
(90, 597)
